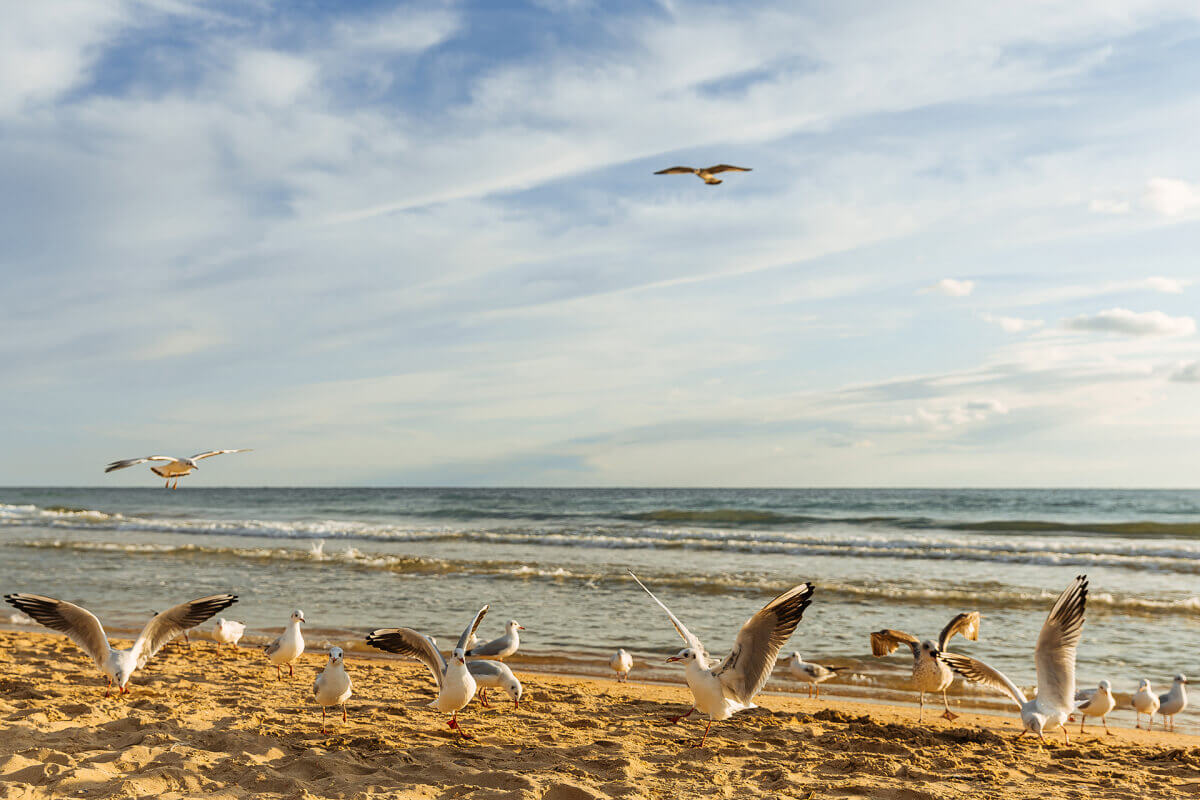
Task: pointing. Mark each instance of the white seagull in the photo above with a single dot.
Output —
(1098, 702)
(82, 627)
(332, 686)
(501, 647)
(812, 674)
(730, 687)
(1145, 701)
(495, 675)
(1173, 702)
(621, 663)
(929, 672)
(1054, 699)
(703, 173)
(175, 468)
(288, 647)
(456, 685)
(226, 631)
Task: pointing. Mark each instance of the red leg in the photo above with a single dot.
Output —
(675, 719)
(483, 701)
(323, 720)
(343, 713)
(704, 738)
(290, 673)
(108, 688)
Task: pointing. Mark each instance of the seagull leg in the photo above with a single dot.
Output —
(1021, 734)
(343, 712)
(453, 723)
(323, 720)
(108, 688)
(816, 691)
(1082, 719)
(707, 728)
(167, 485)
(278, 673)
(947, 714)
(675, 719)
(1066, 736)
(921, 712)
(483, 698)
(290, 672)
(1104, 719)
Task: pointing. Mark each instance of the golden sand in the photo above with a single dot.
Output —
(199, 723)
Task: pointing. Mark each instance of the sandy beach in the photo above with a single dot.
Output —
(203, 723)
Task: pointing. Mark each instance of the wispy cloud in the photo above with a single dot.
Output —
(1171, 197)
(1012, 324)
(951, 287)
(1132, 323)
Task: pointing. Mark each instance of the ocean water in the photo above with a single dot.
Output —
(556, 560)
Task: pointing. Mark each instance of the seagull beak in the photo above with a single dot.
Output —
(520, 627)
(673, 658)
(516, 703)
(462, 661)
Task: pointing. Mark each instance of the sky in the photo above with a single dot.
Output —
(422, 243)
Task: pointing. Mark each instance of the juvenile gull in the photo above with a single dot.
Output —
(1098, 702)
(82, 627)
(226, 631)
(332, 686)
(812, 674)
(730, 687)
(456, 685)
(174, 468)
(501, 647)
(621, 663)
(929, 671)
(703, 173)
(495, 675)
(1145, 701)
(1173, 702)
(288, 647)
(1054, 699)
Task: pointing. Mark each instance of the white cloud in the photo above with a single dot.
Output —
(944, 418)
(951, 287)
(273, 78)
(1132, 323)
(1110, 206)
(1171, 197)
(1187, 373)
(1164, 285)
(1012, 324)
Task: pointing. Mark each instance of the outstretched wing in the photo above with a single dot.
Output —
(727, 168)
(129, 462)
(687, 635)
(1056, 645)
(79, 624)
(966, 624)
(470, 631)
(164, 627)
(746, 669)
(407, 642)
(675, 171)
(976, 671)
(886, 641)
(211, 453)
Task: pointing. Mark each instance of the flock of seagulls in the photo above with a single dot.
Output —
(719, 689)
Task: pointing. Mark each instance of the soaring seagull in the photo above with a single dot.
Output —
(174, 468)
(704, 173)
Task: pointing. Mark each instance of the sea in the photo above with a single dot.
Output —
(558, 561)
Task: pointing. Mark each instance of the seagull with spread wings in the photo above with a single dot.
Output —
(82, 627)
(730, 687)
(703, 173)
(929, 672)
(174, 468)
(455, 683)
(1054, 699)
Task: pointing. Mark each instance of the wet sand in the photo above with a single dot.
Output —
(203, 723)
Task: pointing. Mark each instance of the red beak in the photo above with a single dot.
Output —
(674, 658)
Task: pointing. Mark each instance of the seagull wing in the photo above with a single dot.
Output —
(470, 631)
(79, 624)
(490, 648)
(164, 627)
(746, 669)
(407, 642)
(211, 453)
(726, 168)
(487, 669)
(886, 641)
(966, 624)
(687, 635)
(129, 462)
(1055, 654)
(976, 671)
(676, 171)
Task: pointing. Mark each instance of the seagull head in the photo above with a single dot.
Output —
(686, 654)
(336, 655)
(191, 462)
(1035, 722)
(459, 655)
(930, 648)
(796, 657)
(1181, 678)
(513, 687)
(122, 677)
(513, 625)
(1105, 686)
(298, 616)
(1144, 683)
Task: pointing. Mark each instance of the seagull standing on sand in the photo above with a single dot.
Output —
(288, 647)
(501, 647)
(1097, 703)
(174, 468)
(1173, 702)
(730, 687)
(456, 685)
(703, 173)
(82, 627)
(1054, 699)
(1145, 701)
(929, 672)
(332, 686)
(812, 674)
(621, 663)
(495, 675)
(226, 631)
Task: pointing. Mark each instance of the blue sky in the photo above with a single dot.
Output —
(421, 243)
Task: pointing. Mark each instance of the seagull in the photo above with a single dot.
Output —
(1054, 699)
(730, 687)
(1145, 701)
(704, 173)
(1173, 702)
(456, 685)
(82, 627)
(288, 647)
(226, 631)
(812, 674)
(332, 686)
(1097, 702)
(929, 672)
(501, 647)
(621, 663)
(186, 641)
(175, 468)
(495, 675)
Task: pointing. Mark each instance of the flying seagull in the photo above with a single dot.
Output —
(174, 468)
(704, 173)
(929, 671)
(82, 627)
(730, 687)
(1054, 699)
